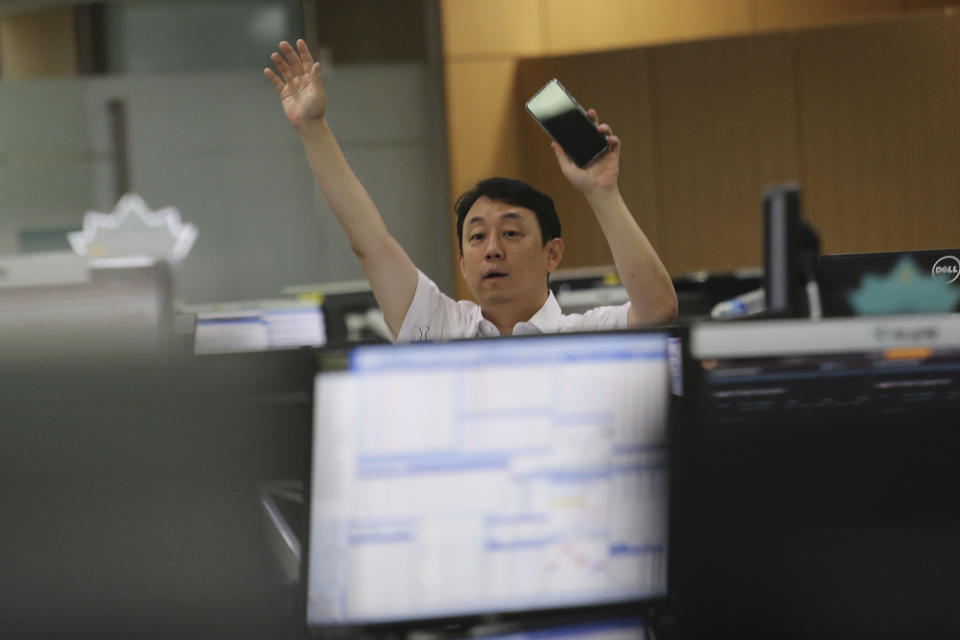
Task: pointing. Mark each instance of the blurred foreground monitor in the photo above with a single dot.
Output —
(524, 475)
(814, 491)
(131, 493)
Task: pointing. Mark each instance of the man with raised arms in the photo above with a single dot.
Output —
(508, 234)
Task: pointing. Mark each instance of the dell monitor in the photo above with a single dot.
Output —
(893, 282)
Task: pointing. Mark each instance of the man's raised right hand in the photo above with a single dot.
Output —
(299, 84)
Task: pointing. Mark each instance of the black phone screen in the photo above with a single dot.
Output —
(566, 121)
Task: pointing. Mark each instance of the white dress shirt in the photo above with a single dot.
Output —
(434, 316)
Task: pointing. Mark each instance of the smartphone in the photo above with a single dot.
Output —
(567, 122)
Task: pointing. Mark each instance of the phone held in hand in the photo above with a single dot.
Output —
(567, 122)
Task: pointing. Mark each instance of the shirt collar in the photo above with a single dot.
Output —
(545, 320)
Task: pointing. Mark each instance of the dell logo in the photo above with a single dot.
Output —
(947, 269)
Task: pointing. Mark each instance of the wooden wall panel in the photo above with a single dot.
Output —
(490, 27)
(616, 84)
(923, 5)
(879, 120)
(575, 25)
(793, 14)
(864, 115)
(483, 108)
(727, 128)
(483, 118)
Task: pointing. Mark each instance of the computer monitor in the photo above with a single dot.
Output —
(256, 325)
(855, 284)
(815, 475)
(579, 289)
(790, 250)
(350, 311)
(699, 292)
(130, 493)
(489, 476)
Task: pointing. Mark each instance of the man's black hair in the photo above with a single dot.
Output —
(517, 193)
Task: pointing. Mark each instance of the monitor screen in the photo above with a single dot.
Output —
(858, 284)
(496, 475)
(815, 477)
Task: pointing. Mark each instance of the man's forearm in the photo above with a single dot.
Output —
(653, 299)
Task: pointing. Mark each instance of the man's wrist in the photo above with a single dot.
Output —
(309, 123)
(314, 128)
(599, 197)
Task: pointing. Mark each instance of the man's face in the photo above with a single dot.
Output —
(503, 258)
